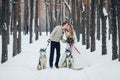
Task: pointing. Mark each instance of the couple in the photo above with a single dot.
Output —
(55, 37)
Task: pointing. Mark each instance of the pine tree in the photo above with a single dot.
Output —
(103, 18)
(56, 12)
(114, 30)
(18, 26)
(26, 11)
(75, 17)
(0, 16)
(88, 25)
(14, 28)
(51, 16)
(4, 31)
(8, 20)
(78, 20)
(92, 26)
(98, 19)
(36, 21)
(40, 16)
(110, 17)
(47, 8)
(118, 17)
(83, 27)
(31, 19)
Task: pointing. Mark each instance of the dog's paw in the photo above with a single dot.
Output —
(38, 67)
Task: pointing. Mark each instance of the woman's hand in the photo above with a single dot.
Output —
(70, 40)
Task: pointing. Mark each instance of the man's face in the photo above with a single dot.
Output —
(65, 26)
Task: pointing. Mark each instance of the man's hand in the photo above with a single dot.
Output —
(49, 40)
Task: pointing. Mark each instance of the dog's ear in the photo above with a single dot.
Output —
(41, 50)
(44, 50)
(67, 50)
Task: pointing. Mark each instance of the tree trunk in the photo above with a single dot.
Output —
(104, 49)
(31, 19)
(4, 44)
(98, 20)
(103, 18)
(12, 19)
(88, 25)
(109, 17)
(73, 13)
(26, 15)
(40, 16)
(83, 27)
(56, 12)
(92, 25)
(8, 20)
(118, 17)
(4, 32)
(0, 16)
(47, 19)
(78, 21)
(19, 26)
(36, 21)
(114, 31)
(75, 17)
(51, 16)
(62, 13)
(14, 29)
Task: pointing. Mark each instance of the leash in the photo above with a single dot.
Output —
(47, 46)
(76, 49)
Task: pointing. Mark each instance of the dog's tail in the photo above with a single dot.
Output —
(77, 68)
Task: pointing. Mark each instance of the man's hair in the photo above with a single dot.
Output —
(66, 22)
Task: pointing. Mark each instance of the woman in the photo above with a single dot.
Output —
(70, 35)
(70, 39)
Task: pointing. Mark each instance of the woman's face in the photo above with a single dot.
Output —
(68, 27)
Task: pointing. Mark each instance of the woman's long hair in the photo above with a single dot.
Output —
(71, 30)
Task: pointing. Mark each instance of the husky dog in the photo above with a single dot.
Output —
(68, 62)
(42, 59)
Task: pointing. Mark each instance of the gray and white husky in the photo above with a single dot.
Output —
(68, 61)
(42, 59)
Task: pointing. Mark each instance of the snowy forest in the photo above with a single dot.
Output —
(95, 20)
(25, 27)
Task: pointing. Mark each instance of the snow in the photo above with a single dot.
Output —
(105, 12)
(24, 65)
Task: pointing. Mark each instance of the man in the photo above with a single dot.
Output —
(55, 37)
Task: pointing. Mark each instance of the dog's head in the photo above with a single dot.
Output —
(42, 51)
(68, 51)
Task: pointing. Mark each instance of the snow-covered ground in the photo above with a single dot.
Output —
(23, 66)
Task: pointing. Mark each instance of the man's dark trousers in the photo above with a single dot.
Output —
(54, 45)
